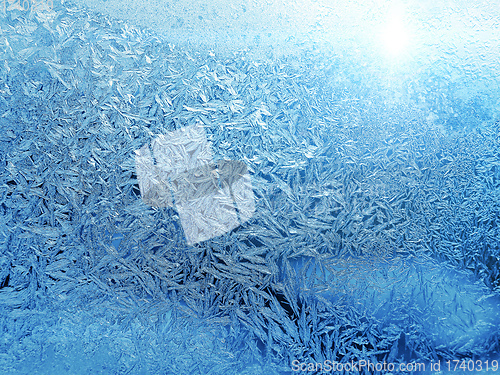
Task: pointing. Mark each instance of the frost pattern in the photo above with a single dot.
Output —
(363, 197)
(185, 170)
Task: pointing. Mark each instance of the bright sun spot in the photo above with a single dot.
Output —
(395, 37)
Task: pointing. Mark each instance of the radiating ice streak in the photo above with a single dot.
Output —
(421, 288)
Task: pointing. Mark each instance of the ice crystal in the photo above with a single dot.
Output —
(166, 211)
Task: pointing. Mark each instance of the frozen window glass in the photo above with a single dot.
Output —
(208, 196)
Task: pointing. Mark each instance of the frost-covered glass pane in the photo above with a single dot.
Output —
(249, 187)
(205, 210)
(181, 150)
(153, 184)
(206, 195)
(235, 181)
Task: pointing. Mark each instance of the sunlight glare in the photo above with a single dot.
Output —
(395, 37)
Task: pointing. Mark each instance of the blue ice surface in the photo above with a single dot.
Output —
(376, 235)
